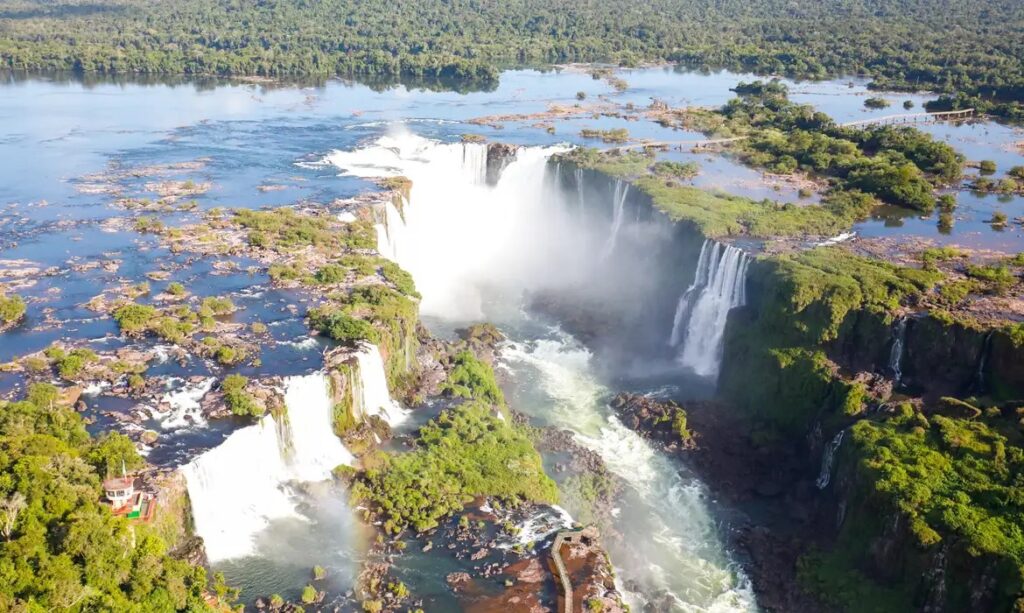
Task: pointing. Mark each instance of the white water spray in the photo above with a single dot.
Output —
(461, 235)
(828, 458)
(670, 539)
(719, 286)
(238, 488)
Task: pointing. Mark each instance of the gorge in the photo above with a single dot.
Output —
(443, 330)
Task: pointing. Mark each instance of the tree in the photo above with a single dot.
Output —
(10, 508)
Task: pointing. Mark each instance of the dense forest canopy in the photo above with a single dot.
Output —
(969, 48)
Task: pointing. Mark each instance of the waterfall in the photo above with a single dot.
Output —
(719, 285)
(238, 488)
(474, 162)
(389, 231)
(618, 213)
(372, 391)
(896, 352)
(460, 234)
(828, 458)
(316, 451)
(699, 281)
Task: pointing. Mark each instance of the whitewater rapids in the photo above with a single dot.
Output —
(473, 250)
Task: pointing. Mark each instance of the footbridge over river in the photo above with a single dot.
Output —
(885, 120)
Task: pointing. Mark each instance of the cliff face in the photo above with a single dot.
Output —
(625, 299)
(820, 348)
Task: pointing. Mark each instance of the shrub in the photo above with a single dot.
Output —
(237, 399)
(12, 308)
(176, 289)
(876, 103)
(473, 379)
(134, 318)
(330, 274)
(987, 167)
(465, 452)
(309, 594)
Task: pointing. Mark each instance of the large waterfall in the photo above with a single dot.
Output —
(460, 234)
(389, 232)
(470, 245)
(719, 285)
(238, 488)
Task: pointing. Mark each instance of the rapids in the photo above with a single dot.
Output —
(467, 271)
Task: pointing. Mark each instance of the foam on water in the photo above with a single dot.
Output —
(186, 411)
(668, 523)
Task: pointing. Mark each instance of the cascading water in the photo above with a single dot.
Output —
(389, 232)
(670, 542)
(468, 246)
(316, 450)
(979, 375)
(899, 338)
(474, 162)
(719, 286)
(828, 458)
(685, 304)
(578, 174)
(458, 231)
(374, 397)
(618, 214)
(238, 488)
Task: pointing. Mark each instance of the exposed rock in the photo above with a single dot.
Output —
(499, 156)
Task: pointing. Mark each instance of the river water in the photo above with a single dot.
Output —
(473, 249)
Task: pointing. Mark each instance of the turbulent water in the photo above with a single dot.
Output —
(670, 540)
(719, 286)
(238, 488)
(463, 266)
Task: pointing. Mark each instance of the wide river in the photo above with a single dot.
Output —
(468, 246)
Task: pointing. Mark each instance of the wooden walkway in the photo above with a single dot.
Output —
(563, 572)
(903, 118)
(885, 120)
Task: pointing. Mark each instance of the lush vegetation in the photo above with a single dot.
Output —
(60, 549)
(778, 368)
(899, 166)
(473, 379)
(970, 49)
(954, 485)
(12, 309)
(466, 452)
(373, 313)
(237, 399)
(717, 214)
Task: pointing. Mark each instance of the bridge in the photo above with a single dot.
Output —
(885, 120)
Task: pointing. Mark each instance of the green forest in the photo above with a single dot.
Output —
(970, 50)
